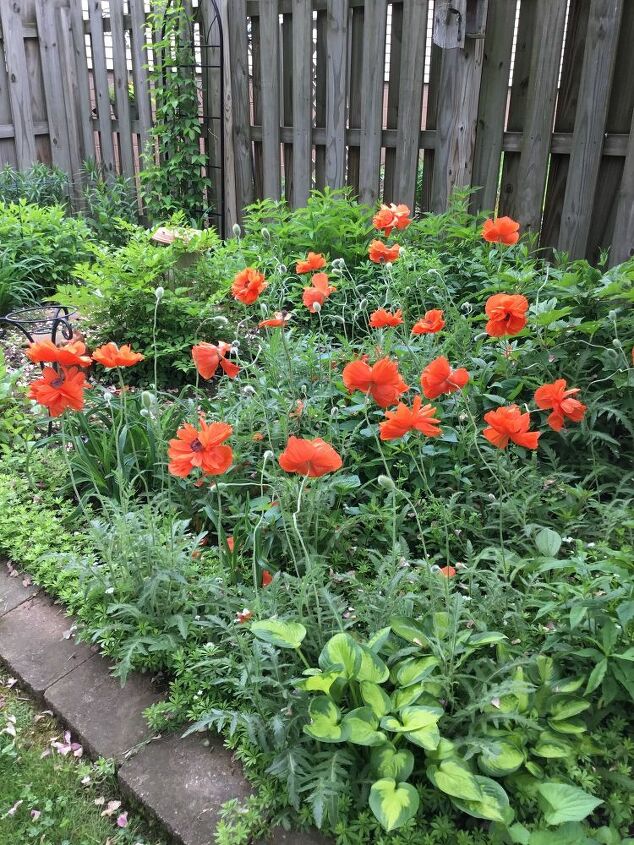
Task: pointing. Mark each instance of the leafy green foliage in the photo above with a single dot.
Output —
(177, 183)
(40, 184)
(108, 202)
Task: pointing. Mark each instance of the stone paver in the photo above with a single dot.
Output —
(12, 591)
(184, 783)
(35, 645)
(106, 717)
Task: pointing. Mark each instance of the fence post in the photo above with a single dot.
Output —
(18, 79)
(235, 12)
(230, 210)
(336, 93)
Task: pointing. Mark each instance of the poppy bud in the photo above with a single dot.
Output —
(388, 265)
(616, 343)
(248, 390)
(144, 412)
(283, 269)
(158, 293)
(316, 307)
(107, 397)
(386, 482)
(237, 231)
(268, 455)
(220, 319)
(147, 399)
(612, 315)
(266, 234)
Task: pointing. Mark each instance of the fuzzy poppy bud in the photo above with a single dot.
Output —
(158, 293)
(386, 482)
(266, 234)
(147, 399)
(316, 307)
(237, 231)
(268, 455)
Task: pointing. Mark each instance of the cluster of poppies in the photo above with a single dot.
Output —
(63, 381)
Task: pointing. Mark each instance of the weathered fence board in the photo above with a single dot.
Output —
(310, 94)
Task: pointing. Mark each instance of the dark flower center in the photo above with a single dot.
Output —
(58, 382)
(196, 445)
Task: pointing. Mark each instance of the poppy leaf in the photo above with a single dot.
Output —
(393, 803)
(279, 633)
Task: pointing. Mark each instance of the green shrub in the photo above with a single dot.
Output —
(39, 185)
(42, 245)
(108, 202)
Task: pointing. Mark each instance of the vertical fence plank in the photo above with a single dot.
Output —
(19, 94)
(410, 100)
(592, 110)
(302, 99)
(431, 113)
(212, 104)
(270, 75)
(288, 55)
(392, 111)
(53, 87)
(372, 86)
(612, 170)
(256, 96)
(336, 93)
(100, 81)
(238, 64)
(232, 208)
(493, 100)
(139, 69)
(540, 110)
(122, 100)
(321, 35)
(78, 38)
(356, 79)
(71, 106)
(460, 74)
(516, 112)
(623, 237)
(577, 28)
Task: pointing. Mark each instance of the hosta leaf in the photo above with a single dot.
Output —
(278, 633)
(416, 669)
(320, 682)
(597, 675)
(409, 695)
(341, 653)
(393, 803)
(360, 727)
(564, 707)
(387, 762)
(411, 719)
(376, 698)
(455, 779)
(501, 758)
(570, 726)
(372, 668)
(551, 746)
(494, 804)
(324, 721)
(408, 629)
(376, 642)
(565, 803)
(486, 638)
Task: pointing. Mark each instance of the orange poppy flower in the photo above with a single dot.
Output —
(110, 356)
(510, 424)
(297, 411)
(556, 396)
(390, 217)
(244, 616)
(280, 320)
(502, 230)
(258, 437)
(208, 357)
(313, 458)
(267, 578)
(231, 543)
(194, 448)
(313, 261)
(506, 313)
(380, 253)
(71, 355)
(247, 285)
(403, 419)
(382, 380)
(59, 390)
(438, 378)
(381, 318)
(318, 293)
(447, 571)
(432, 322)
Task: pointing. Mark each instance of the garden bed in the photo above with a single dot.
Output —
(361, 492)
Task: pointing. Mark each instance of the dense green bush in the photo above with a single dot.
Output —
(40, 184)
(107, 203)
(41, 245)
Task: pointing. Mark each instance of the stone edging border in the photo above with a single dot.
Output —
(182, 783)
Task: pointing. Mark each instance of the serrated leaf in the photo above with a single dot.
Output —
(393, 803)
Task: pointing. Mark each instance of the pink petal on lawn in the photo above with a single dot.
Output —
(35, 814)
(122, 820)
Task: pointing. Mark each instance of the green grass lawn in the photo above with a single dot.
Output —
(51, 794)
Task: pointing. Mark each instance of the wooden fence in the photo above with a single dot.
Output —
(316, 101)
(532, 100)
(75, 85)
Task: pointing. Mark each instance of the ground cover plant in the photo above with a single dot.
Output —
(382, 539)
(50, 793)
